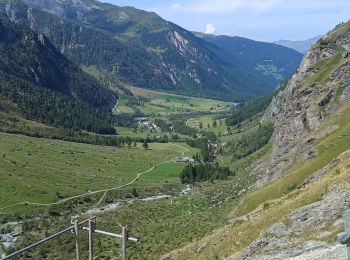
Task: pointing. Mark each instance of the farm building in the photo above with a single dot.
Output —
(184, 160)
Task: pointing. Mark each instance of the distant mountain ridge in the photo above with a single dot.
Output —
(270, 60)
(140, 48)
(301, 46)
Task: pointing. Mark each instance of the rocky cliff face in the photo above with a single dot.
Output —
(299, 215)
(304, 115)
(313, 94)
(286, 239)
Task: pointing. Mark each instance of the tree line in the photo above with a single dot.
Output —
(251, 142)
(204, 172)
(206, 149)
(246, 111)
(79, 136)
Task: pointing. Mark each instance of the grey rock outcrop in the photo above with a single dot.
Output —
(314, 93)
(282, 239)
(311, 95)
(311, 250)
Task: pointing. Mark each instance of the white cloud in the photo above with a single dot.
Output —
(225, 6)
(210, 28)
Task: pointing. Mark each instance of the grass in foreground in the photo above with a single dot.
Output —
(233, 238)
(163, 225)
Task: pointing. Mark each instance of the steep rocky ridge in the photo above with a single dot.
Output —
(313, 94)
(33, 58)
(288, 238)
(295, 210)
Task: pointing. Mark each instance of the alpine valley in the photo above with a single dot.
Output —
(110, 39)
(205, 146)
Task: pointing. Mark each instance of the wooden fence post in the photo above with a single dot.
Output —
(77, 239)
(124, 239)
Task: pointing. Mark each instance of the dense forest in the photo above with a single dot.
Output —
(246, 111)
(251, 141)
(206, 149)
(49, 88)
(77, 136)
(163, 125)
(273, 61)
(181, 128)
(54, 108)
(203, 172)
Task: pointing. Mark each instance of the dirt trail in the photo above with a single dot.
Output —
(97, 191)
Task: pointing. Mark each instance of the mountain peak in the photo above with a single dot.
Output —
(72, 9)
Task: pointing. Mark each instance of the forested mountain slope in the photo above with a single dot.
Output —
(48, 87)
(140, 48)
(272, 61)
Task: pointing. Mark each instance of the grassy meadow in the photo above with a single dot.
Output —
(163, 104)
(207, 122)
(163, 225)
(45, 171)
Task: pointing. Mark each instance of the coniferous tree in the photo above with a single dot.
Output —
(145, 144)
(204, 172)
(134, 193)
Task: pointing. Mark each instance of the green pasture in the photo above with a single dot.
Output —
(207, 122)
(164, 103)
(45, 171)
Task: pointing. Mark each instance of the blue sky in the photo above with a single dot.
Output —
(265, 20)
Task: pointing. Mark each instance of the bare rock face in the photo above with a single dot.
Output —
(317, 214)
(282, 239)
(309, 251)
(310, 96)
(61, 7)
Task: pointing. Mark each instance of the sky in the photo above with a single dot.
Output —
(265, 20)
